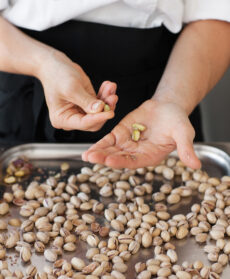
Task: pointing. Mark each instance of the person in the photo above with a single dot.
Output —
(164, 55)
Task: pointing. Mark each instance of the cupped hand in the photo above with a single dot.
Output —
(70, 97)
(167, 128)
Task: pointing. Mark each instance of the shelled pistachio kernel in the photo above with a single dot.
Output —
(140, 127)
(65, 166)
(9, 179)
(19, 173)
(137, 129)
(107, 107)
(136, 134)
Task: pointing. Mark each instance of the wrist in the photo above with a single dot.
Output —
(170, 96)
(46, 61)
(154, 103)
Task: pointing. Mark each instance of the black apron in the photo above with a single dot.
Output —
(133, 58)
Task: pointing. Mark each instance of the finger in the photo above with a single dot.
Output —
(93, 120)
(105, 142)
(186, 151)
(115, 158)
(107, 88)
(94, 157)
(99, 156)
(187, 155)
(72, 120)
(111, 101)
(88, 102)
(114, 138)
(100, 125)
(102, 87)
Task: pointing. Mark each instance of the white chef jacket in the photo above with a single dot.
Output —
(42, 14)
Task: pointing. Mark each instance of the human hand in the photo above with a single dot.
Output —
(70, 97)
(168, 128)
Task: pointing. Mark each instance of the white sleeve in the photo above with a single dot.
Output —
(206, 9)
(4, 4)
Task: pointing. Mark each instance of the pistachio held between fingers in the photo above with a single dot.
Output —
(106, 108)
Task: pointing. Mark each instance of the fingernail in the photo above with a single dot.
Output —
(96, 105)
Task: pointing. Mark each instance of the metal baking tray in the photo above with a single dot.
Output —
(49, 157)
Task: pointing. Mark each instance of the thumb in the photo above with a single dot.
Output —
(185, 149)
(88, 102)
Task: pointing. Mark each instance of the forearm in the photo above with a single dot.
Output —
(19, 53)
(199, 59)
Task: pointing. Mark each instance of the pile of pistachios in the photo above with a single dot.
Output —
(17, 169)
(56, 214)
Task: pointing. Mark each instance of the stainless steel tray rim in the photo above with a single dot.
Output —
(74, 151)
(55, 150)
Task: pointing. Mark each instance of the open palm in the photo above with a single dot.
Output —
(168, 128)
